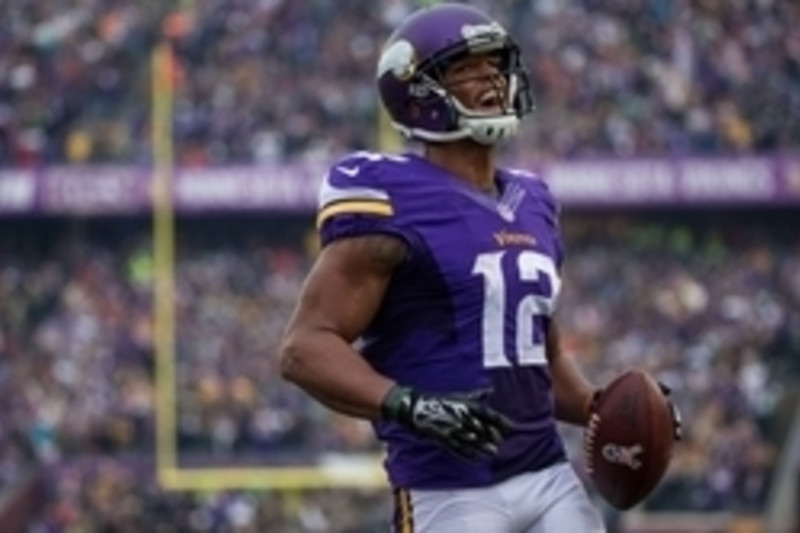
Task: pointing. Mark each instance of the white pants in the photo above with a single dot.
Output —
(552, 500)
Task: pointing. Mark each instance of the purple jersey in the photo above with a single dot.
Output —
(467, 310)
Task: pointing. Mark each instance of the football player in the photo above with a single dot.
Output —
(445, 269)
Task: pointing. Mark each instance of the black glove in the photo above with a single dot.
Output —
(677, 422)
(457, 421)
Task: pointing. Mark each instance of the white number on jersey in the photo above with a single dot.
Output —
(530, 267)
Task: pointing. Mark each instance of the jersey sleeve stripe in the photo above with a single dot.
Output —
(329, 194)
(355, 207)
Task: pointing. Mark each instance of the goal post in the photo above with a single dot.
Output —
(327, 471)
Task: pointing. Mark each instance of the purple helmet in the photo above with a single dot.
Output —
(413, 61)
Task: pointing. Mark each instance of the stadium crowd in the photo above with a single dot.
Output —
(273, 80)
(111, 496)
(710, 309)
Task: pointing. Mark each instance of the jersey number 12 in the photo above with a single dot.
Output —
(530, 266)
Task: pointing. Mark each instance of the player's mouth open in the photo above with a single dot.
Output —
(490, 100)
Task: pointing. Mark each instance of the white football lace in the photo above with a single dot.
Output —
(588, 441)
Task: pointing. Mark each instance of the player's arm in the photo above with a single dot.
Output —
(363, 244)
(573, 392)
(339, 299)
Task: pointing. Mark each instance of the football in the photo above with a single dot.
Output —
(628, 440)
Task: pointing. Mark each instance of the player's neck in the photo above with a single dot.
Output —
(466, 160)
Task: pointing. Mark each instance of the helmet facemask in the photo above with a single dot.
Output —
(412, 84)
(484, 127)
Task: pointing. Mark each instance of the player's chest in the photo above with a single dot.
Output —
(465, 222)
(480, 243)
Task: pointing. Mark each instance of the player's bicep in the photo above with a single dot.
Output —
(346, 286)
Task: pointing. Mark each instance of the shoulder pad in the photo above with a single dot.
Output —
(358, 183)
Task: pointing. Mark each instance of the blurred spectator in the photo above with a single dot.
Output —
(709, 307)
(274, 80)
(104, 495)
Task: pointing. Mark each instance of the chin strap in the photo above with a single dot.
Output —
(483, 128)
(490, 130)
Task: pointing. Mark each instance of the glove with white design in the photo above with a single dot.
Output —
(460, 422)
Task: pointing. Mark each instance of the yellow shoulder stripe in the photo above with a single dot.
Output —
(356, 207)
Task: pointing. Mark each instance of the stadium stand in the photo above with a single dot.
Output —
(707, 300)
(706, 306)
(276, 80)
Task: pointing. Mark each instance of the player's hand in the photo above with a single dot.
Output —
(460, 422)
(677, 422)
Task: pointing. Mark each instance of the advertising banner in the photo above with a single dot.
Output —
(293, 188)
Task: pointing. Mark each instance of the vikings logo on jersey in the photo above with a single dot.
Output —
(468, 310)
